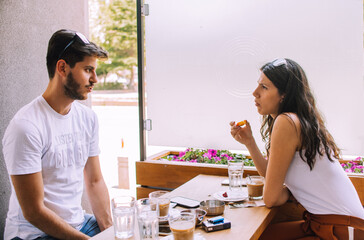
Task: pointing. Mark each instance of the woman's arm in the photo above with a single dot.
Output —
(285, 141)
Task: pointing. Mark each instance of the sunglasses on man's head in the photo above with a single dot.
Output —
(78, 36)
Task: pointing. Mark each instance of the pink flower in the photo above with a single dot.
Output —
(217, 159)
(207, 155)
(348, 170)
(358, 159)
(181, 154)
(212, 152)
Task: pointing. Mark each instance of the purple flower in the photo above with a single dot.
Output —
(181, 154)
(193, 160)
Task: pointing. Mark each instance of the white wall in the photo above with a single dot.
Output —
(203, 60)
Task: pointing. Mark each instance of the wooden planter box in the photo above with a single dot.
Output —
(154, 174)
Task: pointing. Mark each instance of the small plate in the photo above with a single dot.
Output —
(231, 196)
(196, 236)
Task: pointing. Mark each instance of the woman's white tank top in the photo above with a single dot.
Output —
(324, 190)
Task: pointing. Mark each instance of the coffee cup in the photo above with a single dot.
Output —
(182, 226)
(157, 197)
(255, 186)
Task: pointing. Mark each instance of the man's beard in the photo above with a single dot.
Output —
(71, 89)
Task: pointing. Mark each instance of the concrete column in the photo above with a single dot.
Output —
(25, 28)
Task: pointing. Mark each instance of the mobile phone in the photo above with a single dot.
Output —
(164, 230)
(185, 202)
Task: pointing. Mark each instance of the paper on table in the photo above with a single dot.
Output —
(247, 203)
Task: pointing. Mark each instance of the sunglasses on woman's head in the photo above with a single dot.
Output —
(279, 62)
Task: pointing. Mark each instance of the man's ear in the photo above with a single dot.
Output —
(61, 67)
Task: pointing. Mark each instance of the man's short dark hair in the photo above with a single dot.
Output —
(59, 47)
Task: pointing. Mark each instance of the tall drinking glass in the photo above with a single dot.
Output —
(123, 211)
(236, 170)
(147, 216)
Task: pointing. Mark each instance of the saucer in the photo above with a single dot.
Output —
(232, 197)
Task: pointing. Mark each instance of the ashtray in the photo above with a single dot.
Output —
(213, 207)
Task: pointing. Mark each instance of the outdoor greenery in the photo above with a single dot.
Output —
(113, 26)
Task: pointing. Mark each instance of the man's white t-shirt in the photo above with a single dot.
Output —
(38, 139)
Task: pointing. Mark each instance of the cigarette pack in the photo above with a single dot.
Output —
(211, 227)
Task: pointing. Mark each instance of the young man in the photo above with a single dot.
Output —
(51, 150)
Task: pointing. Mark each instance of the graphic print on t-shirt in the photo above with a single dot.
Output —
(69, 149)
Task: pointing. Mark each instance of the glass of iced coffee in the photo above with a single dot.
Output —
(255, 186)
(158, 197)
(182, 226)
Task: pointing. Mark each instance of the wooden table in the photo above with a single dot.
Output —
(246, 223)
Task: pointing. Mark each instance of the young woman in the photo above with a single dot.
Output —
(302, 158)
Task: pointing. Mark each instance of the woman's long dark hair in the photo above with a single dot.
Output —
(291, 81)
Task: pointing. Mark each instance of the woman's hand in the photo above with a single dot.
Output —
(242, 134)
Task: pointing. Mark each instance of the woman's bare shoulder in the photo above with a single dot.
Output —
(290, 121)
(291, 117)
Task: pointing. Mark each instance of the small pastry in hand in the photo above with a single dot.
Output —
(242, 123)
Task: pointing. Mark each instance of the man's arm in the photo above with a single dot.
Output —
(30, 194)
(97, 192)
